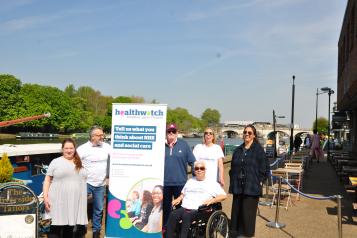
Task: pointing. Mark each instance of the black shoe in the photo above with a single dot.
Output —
(80, 231)
(96, 234)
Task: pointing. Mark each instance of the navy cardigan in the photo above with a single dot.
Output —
(254, 166)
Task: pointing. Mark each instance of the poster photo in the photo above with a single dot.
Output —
(136, 172)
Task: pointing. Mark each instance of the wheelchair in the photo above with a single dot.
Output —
(209, 222)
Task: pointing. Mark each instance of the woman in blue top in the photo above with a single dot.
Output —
(249, 168)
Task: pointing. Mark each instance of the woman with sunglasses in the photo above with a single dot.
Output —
(213, 155)
(249, 169)
(196, 192)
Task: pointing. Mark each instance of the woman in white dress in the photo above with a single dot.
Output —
(213, 156)
(65, 192)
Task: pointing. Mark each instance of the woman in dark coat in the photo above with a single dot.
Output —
(249, 169)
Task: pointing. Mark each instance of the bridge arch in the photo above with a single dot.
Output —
(230, 133)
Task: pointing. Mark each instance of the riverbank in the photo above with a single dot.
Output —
(4, 136)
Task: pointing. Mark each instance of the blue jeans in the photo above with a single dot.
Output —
(98, 202)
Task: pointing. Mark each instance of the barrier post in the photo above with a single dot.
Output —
(339, 215)
(266, 202)
(276, 224)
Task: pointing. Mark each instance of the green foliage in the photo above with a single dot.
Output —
(210, 117)
(70, 91)
(6, 169)
(10, 99)
(76, 110)
(322, 125)
(183, 119)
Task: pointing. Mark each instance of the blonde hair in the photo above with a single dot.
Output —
(213, 136)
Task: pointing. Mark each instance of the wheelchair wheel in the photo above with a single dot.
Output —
(217, 225)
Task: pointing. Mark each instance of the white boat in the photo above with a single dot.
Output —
(29, 160)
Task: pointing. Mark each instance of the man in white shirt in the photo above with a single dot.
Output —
(95, 158)
(196, 192)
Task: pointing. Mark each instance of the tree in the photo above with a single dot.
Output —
(183, 119)
(210, 117)
(70, 91)
(65, 116)
(10, 101)
(322, 125)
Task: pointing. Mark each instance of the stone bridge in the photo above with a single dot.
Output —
(263, 131)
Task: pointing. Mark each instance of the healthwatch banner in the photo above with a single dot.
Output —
(136, 173)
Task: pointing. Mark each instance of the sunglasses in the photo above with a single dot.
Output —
(200, 168)
(248, 132)
(172, 131)
(208, 133)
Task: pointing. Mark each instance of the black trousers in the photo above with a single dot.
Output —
(243, 215)
(175, 216)
(67, 231)
(170, 192)
(60, 231)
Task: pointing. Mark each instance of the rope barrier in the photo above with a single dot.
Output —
(309, 196)
(276, 161)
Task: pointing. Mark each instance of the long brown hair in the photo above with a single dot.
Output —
(254, 132)
(147, 198)
(76, 159)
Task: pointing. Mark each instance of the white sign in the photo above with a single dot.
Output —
(18, 226)
(136, 168)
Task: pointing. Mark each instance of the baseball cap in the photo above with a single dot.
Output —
(171, 127)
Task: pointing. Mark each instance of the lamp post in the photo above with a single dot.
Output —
(274, 131)
(329, 91)
(317, 100)
(292, 117)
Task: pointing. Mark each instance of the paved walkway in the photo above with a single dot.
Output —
(308, 217)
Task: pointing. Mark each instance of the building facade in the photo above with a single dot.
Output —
(347, 76)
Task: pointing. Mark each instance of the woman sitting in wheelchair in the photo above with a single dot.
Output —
(197, 192)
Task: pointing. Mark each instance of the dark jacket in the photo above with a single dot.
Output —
(248, 170)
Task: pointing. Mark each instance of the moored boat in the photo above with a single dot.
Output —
(29, 161)
(36, 135)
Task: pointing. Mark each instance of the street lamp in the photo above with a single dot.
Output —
(274, 131)
(292, 118)
(317, 100)
(329, 91)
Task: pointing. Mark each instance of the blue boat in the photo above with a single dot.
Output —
(30, 161)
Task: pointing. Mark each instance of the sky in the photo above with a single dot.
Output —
(234, 56)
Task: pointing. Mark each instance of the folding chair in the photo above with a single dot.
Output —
(295, 178)
(285, 188)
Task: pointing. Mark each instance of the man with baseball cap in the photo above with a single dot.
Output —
(178, 155)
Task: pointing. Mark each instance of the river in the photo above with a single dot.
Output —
(191, 141)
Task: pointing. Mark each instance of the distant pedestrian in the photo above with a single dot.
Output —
(297, 142)
(95, 158)
(307, 141)
(213, 155)
(178, 155)
(249, 169)
(316, 151)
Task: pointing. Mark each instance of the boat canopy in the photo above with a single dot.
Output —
(30, 149)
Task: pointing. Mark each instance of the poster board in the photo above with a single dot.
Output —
(136, 168)
(18, 211)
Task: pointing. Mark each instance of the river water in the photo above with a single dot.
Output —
(191, 141)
